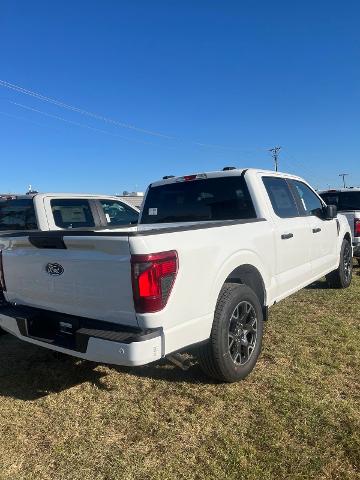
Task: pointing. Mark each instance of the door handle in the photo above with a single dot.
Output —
(316, 230)
(285, 236)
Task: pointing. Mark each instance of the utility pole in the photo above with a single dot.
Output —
(275, 153)
(343, 175)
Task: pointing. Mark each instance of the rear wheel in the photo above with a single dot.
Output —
(235, 342)
(341, 277)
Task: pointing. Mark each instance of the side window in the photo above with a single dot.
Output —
(118, 213)
(72, 213)
(281, 198)
(308, 199)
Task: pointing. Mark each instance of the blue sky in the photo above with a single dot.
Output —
(176, 87)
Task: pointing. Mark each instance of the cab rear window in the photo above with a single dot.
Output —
(17, 214)
(72, 213)
(222, 198)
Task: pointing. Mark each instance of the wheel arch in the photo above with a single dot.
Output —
(249, 275)
(347, 237)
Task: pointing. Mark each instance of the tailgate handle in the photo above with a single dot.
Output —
(47, 242)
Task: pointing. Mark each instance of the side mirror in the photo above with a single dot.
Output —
(330, 212)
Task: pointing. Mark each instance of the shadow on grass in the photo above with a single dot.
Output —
(163, 370)
(28, 372)
(357, 267)
(319, 285)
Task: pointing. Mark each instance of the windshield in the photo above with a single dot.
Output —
(343, 200)
(222, 198)
(17, 214)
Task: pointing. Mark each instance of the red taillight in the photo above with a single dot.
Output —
(153, 277)
(2, 277)
(357, 227)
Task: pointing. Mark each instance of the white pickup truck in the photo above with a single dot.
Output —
(347, 201)
(211, 253)
(59, 211)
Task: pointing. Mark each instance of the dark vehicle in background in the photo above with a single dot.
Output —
(347, 201)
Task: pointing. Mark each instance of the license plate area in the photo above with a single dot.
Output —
(60, 332)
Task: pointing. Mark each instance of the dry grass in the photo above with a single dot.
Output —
(296, 417)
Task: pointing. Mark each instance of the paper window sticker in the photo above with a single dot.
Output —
(153, 211)
(108, 219)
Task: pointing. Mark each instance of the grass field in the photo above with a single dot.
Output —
(297, 416)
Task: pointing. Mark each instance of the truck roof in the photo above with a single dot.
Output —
(13, 196)
(22, 196)
(341, 190)
(222, 173)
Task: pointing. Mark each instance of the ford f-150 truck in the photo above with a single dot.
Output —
(347, 201)
(211, 253)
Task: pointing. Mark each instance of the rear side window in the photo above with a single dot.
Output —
(309, 201)
(222, 198)
(72, 213)
(118, 213)
(17, 214)
(281, 198)
(343, 200)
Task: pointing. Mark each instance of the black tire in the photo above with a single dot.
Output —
(2, 332)
(342, 276)
(232, 350)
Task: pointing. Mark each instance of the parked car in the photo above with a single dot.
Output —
(63, 211)
(211, 253)
(347, 201)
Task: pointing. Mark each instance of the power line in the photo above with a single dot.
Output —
(81, 111)
(97, 116)
(77, 124)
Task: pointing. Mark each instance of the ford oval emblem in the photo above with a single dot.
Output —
(54, 269)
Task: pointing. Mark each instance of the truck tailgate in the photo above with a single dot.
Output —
(87, 276)
(350, 216)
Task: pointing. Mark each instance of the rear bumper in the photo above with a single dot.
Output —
(82, 338)
(356, 250)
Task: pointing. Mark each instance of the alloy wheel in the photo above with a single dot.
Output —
(242, 333)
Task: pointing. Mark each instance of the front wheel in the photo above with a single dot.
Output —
(235, 342)
(341, 277)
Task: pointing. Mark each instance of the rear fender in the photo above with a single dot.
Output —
(243, 258)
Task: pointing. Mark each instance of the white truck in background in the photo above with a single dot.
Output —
(211, 253)
(60, 211)
(347, 201)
